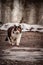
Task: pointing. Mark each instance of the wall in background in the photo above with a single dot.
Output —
(21, 11)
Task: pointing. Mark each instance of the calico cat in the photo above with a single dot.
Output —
(14, 35)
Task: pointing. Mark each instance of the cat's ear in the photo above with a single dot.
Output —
(14, 26)
(20, 27)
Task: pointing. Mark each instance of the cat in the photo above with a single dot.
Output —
(14, 34)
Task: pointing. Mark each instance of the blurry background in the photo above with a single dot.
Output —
(28, 11)
(31, 44)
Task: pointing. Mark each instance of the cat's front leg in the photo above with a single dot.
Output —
(18, 39)
(12, 41)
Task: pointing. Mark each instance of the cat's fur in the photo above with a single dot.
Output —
(14, 35)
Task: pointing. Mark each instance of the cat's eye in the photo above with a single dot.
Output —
(13, 31)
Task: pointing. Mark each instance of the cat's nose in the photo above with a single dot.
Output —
(16, 32)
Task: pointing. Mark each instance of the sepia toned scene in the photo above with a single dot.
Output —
(21, 32)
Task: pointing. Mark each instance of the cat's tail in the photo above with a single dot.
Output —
(6, 39)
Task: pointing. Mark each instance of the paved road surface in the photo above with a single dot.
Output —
(23, 54)
(31, 48)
